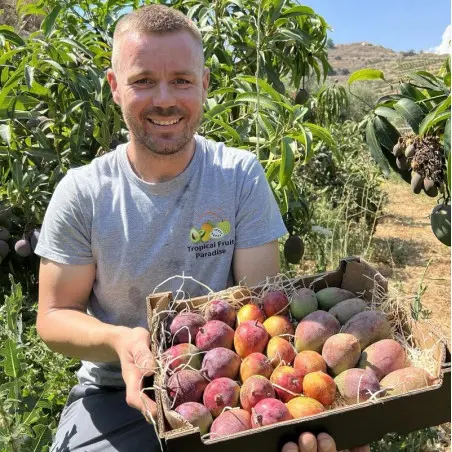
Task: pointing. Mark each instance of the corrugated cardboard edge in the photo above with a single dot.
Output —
(353, 272)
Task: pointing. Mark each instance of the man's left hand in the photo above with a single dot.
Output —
(307, 442)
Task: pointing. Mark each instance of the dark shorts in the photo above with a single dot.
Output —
(99, 419)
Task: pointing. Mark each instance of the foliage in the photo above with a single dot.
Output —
(28, 411)
(330, 104)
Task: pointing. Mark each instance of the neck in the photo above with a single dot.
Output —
(155, 168)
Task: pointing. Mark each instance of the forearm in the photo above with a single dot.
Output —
(76, 334)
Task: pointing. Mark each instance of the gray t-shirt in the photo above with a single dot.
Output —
(139, 234)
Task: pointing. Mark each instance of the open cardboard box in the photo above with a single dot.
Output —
(351, 425)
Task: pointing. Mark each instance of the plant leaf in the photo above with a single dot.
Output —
(386, 112)
(386, 134)
(366, 74)
(287, 161)
(29, 76)
(412, 113)
(49, 22)
(264, 101)
(8, 33)
(375, 149)
(321, 133)
(10, 362)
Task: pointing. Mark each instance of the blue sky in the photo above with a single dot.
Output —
(395, 24)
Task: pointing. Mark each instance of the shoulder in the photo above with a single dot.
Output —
(222, 156)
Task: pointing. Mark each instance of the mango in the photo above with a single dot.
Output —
(304, 406)
(341, 352)
(314, 330)
(383, 357)
(220, 362)
(255, 389)
(197, 414)
(186, 386)
(278, 325)
(287, 381)
(319, 386)
(309, 361)
(230, 422)
(255, 364)
(250, 337)
(214, 334)
(368, 327)
(268, 412)
(185, 327)
(357, 385)
(346, 309)
(302, 303)
(182, 355)
(275, 302)
(250, 312)
(280, 352)
(331, 296)
(407, 379)
(221, 393)
(221, 310)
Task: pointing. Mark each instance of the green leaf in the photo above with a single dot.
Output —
(408, 90)
(287, 161)
(227, 128)
(272, 170)
(49, 22)
(375, 149)
(262, 84)
(9, 352)
(5, 133)
(8, 33)
(298, 11)
(412, 113)
(432, 119)
(78, 134)
(29, 76)
(321, 133)
(253, 98)
(386, 134)
(386, 112)
(446, 138)
(366, 74)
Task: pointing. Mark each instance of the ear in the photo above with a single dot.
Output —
(205, 83)
(112, 81)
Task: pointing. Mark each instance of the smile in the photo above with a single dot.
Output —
(164, 123)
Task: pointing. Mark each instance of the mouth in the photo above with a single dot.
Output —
(167, 123)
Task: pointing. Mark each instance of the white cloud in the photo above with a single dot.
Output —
(444, 47)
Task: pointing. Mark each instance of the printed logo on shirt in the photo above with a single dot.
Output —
(209, 237)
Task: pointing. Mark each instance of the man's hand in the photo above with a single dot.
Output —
(307, 442)
(137, 362)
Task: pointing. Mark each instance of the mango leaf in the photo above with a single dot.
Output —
(432, 119)
(8, 33)
(272, 170)
(49, 21)
(298, 11)
(386, 112)
(412, 113)
(227, 128)
(5, 133)
(287, 161)
(386, 134)
(253, 98)
(321, 133)
(262, 84)
(366, 74)
(29, 76)
(78, 134)
(42, 437)
(375, 149)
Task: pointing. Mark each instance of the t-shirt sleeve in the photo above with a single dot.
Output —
(65, 235)
(258, 219)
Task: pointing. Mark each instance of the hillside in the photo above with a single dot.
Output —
(347, 58)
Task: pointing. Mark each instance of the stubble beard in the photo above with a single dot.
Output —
(158, 146)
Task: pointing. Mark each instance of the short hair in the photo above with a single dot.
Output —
(154, 19)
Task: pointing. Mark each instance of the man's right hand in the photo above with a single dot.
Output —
(307, 442)
(137, 362)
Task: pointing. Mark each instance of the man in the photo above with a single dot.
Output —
(117, 228)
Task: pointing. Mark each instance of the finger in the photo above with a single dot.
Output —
(325, 443)
(149, 408)
(365, 448)
(290, 447)
(145, 362)
(307, 442)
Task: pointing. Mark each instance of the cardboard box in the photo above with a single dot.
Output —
(350, 426)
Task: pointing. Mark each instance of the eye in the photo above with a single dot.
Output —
(181, 81)
(143, 81)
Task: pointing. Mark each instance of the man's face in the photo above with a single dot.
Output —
(161, 84)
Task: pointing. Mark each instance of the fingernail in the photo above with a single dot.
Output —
(308, 443)
(326, 443)
(290, 447)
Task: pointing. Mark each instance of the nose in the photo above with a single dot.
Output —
(163, 96)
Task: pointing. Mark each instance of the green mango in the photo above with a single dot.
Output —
(440, 222)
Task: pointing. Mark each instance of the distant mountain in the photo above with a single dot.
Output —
(347, 58)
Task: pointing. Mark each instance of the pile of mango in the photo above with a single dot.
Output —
(281, 357)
